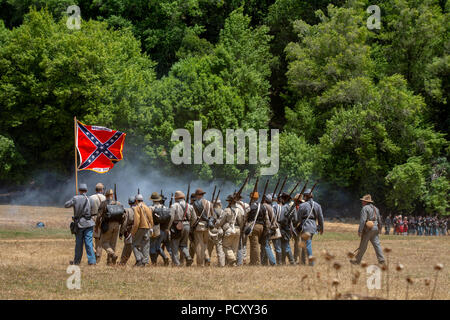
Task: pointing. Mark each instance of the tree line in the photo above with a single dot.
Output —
(363, 110)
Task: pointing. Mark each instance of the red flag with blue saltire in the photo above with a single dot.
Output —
(99, 148)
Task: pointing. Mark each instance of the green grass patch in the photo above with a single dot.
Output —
(35, 233)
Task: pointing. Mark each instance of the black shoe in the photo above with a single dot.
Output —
(189, 262)
(166, 262)
(207, 262)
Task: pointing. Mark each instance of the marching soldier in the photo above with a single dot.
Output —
(257, 220)
(156, 239)
(295, 234)
(266, 249)
(231, 221)
(203, 215)
(165, 233)
(191, 234)
(83, 224)
(368, 230)
(96, 199)
(276, 240)
(109, 228)
(182, 217)
(125, 231)
(142, 231)
(287, 214)
(309, 214)
(216, 235)
(242, 249)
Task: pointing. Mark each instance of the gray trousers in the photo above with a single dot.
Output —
(242, 249)
(180, 244)
(141, 246)
(371, 236)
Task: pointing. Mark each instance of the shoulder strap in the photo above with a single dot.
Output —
(312, 209)
(185, 210)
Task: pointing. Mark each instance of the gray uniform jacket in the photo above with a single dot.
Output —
(177, 213)
(368, 212)
(81, 210)
(309, 224)
(234, 213)
(128, 221)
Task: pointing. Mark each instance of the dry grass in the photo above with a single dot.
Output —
(33, 266)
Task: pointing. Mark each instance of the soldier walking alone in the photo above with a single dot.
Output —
(369, 230)
(309, 214)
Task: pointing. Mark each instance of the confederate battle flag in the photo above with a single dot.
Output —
(99, 147)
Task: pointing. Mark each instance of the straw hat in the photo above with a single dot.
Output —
(155, 196)
(367, 198)
(199, 192)
(109, 192)
(179, 195)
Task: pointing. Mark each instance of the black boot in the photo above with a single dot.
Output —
(154, 258)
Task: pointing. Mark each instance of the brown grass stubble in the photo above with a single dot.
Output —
(36, 269)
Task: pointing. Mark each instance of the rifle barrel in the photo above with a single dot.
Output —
(281, 189)
(276, 187)
(295, 187)
(265, 189)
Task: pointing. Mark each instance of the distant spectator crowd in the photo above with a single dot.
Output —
(420, 226)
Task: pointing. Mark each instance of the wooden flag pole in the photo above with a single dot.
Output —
(76, 156)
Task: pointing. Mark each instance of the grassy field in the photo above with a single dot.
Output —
(33, 264)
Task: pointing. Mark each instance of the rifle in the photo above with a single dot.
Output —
(276, 187)
(171, 200)
(115, 192)
(295, 187)
(281, 189)
(303, 190)
(217, 198)
(237, 195)
(255, 189)
(314, 186)
(188, 196)
(265, 189)
(139, 192)
(214, 192)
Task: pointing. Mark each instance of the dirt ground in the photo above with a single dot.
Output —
(34, 262)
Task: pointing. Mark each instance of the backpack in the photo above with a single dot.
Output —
(161, 215)
(115, 212)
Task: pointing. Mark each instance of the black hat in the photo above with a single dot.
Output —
(83, 187)
(131, 200)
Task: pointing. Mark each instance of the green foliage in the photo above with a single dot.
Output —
(10, 161)
(50, 74)
(407, 184)
(363, 110)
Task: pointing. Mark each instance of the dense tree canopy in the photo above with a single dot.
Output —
(366, 111)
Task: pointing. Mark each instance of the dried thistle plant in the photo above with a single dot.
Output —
(335, 284)
(387, 251)
(409, 281)
(438, 268)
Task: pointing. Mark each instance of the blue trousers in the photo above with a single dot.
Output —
(308, 251)
(419, 230)
(286, 251)
(84, 236)
(155, 248)
(266, 252)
